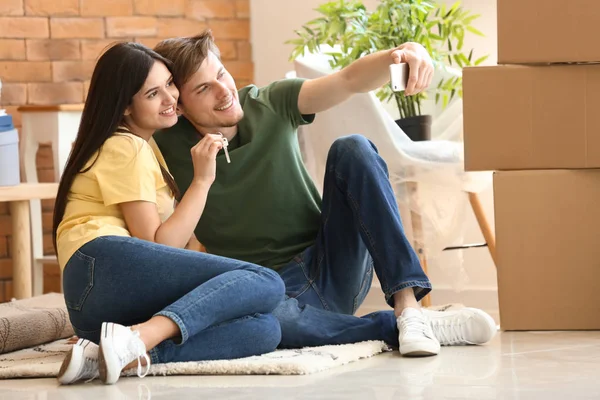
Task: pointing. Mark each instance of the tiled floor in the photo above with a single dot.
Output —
(524, 366)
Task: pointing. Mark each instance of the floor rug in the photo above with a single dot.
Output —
(44, 361)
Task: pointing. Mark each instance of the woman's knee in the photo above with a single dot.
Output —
(267, 333)
(271, 285)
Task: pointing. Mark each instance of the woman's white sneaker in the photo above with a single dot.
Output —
(119, 346)
(80, 363)
(465, 326)
(415, 335)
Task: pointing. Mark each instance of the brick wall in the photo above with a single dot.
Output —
(48, 50)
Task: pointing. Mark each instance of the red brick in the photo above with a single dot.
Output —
(46, 176)
(14, 94)
(228, 49)
(83, 28)
(44, 157)
(47, 243)
(11, 7)
(92, 49)
(51, 269)
(12, 110)
(3, 247)
(24, 27)
(106, 8)
(12, 49)
(8, 290)
(53, 49)
(169, 8)
(48, 204)
(130, 26)
(5, 225)
(176, 27)
(22, 71)
(6, 268)
(240, 70)
(47, 225)
(52, 7)
(208, 9)
(63, 71)
(244, 51)
(240, 83)
(54, 93)
(51, 280)
(231, 29)
(242, 8)
(86, 90)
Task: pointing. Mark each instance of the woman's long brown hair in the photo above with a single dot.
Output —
(119, 74)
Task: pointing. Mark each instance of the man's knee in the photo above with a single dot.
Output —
(355, 147)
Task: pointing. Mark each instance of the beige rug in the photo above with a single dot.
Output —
(26, 323)
(44, 361)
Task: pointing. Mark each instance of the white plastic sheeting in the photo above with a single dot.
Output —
(436, 166)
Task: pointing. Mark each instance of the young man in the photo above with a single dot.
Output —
(264, 208)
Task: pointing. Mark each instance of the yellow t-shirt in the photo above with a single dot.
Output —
(125, 169)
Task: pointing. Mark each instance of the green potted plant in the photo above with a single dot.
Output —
(354, 31)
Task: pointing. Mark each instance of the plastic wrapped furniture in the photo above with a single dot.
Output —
(428, 177)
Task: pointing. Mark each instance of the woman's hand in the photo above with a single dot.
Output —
(204, 155)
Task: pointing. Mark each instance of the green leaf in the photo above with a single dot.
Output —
(474, 31)
(480, 60)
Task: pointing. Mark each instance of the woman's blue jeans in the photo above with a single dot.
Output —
(221, 306)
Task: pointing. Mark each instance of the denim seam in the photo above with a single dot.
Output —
(154, 358)
(91, 261)
(178, 321)
(404, 285)
(311, 282)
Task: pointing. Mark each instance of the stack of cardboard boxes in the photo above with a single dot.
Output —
(535, 120)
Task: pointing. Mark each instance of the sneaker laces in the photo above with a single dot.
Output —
(449, 332)
(137, 347)
(137, 350)
(415, 324)
(89, 370)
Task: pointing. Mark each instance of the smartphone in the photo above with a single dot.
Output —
(399, 76)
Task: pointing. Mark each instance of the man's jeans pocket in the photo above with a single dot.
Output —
(78, 280)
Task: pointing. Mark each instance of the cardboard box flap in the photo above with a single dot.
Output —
(525, 117)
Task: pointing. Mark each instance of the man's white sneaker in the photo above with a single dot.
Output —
(415, 335)
(80, 363)
(461, 327)
(119, 346)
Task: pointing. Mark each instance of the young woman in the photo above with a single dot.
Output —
(129, 284)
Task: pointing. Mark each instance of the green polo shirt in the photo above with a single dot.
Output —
(263, 207)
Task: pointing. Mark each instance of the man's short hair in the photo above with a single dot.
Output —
(187, 54)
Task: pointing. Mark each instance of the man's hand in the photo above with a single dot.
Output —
(420, 66)
(365, 74)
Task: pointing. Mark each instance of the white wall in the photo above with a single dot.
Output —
(273, 22)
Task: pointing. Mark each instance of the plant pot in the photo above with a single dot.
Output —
(417, 128)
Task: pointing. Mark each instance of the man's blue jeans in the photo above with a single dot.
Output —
(222, 306)
(360, 232)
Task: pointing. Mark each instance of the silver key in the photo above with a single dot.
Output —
(225, 144)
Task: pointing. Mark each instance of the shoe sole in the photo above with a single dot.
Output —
(106, 358)
(68, 371)
(419, 350)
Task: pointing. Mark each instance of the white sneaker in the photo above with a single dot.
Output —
(416, 337)
(80, 363)
(119, 346)
(461, 327)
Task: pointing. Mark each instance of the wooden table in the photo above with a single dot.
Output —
(18, 198)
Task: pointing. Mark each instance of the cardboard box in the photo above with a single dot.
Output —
(548, 31)
(548, 249)
(524, 117)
